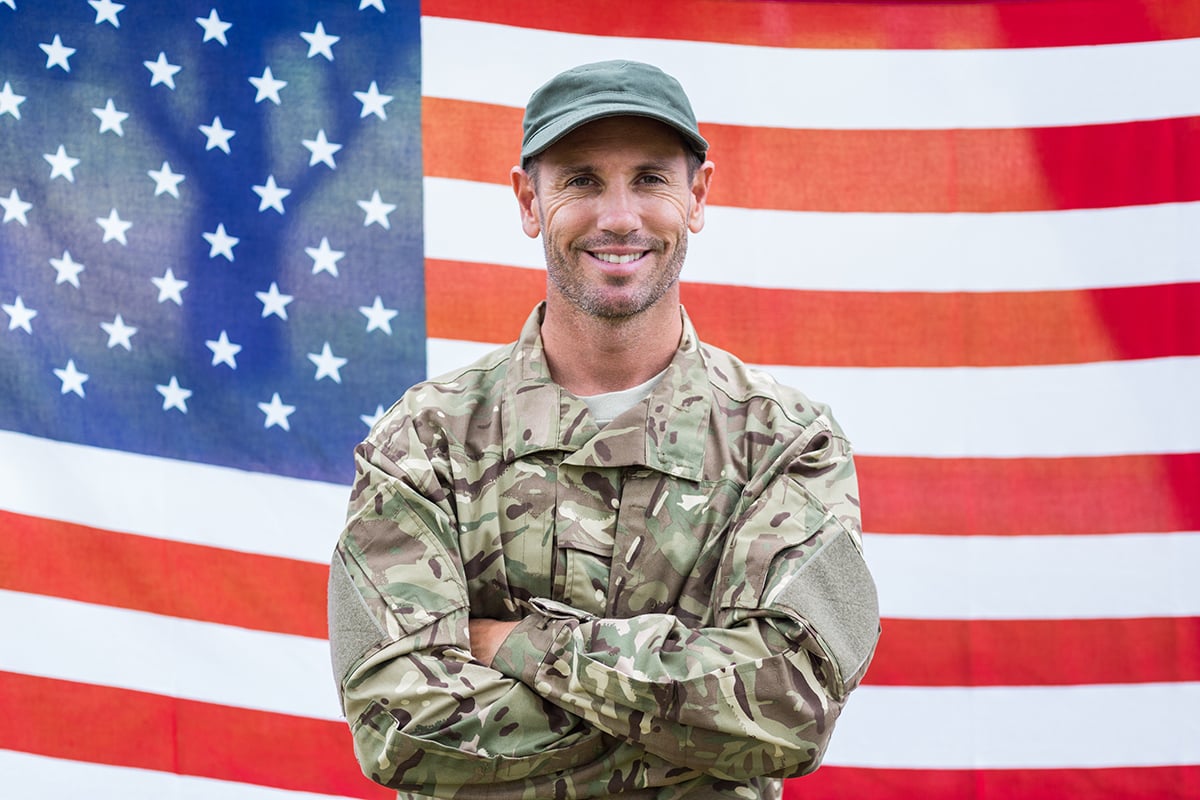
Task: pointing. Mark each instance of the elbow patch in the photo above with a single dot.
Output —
(834, 594)
(353, 630)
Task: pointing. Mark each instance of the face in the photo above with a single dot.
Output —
(614, 204)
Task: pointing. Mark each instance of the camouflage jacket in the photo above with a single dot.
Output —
(694, 605)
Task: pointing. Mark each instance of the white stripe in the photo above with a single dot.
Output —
(178, 500)
(803, 88)
(32, 777)
(87, 643)
(874, 252)
(1019, 727)
(1107, 408)
(1117, 576)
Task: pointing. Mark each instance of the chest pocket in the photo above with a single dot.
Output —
(667, 545)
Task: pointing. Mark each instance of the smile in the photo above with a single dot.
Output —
(613, 258)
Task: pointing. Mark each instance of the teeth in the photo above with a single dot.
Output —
(615, 259)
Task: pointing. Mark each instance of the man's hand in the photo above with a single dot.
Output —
(486, 636)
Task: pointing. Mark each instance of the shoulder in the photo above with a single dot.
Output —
(446, 404)
(739, 387)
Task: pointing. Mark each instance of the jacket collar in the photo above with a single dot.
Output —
(665, 432)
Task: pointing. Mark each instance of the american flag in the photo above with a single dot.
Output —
(232, 233)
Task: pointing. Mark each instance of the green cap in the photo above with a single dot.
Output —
(607, 89)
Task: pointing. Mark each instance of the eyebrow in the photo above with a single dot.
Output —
(571, 170)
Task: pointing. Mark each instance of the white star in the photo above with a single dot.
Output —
(277, 412)
(114, 226)
(373, 102)
(373, 3)
(165, 180)
(67, 268)
(118, 333)
(110, 118)
(170, 288)
(57, 54)
(162, 71)
(61, 164)
(221, 243)
(72, 379)
(223, 350)
(106, 11)
(10, 102)
(10, 3)
(174, 395)
(327, 364)
(324, 259)
(214, 28)
(218, 135)
(18, 315)
(376, 210)
(268, 87)
(378, 317)
(370, 419)
(320, 42)
(15, 208)
(270, 195)
(322, 149)
(274, 302)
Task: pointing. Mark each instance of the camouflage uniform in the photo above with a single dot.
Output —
(694, 605)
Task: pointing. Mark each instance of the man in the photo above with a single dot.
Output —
(607, 560)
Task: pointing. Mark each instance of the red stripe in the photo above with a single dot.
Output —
(162, 577)
(108, 726)
(485, 302)
(1047, 23)
(98, 724)
(1031, 496)
(1120, 783)
(1036, 652)
(932, 171)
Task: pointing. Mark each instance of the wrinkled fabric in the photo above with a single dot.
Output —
(694, 608)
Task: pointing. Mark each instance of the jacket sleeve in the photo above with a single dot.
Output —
(426, 717)
(757, 692)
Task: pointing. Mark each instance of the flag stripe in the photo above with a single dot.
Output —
(928, 728)
(170, 499)
(142, 573)
(835, 89)
(1116, 783)
(1018, 251)
(201, 661)
(989, 727)
(1055, 496)
(1036, 652)
(1117, 575)
(835, 25)
(1019, 412)
(932, 329)
(935, 652)
(921, 171)
(212, 741)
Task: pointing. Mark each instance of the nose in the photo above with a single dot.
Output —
(618, 211)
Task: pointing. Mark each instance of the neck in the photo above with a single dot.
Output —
(591, 355)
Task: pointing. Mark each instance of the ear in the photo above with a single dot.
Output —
(699, 190)
(522, 185)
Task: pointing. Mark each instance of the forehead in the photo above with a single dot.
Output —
(638, 138)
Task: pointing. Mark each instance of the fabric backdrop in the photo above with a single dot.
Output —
(233, 233)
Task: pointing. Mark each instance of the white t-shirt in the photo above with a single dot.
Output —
(610, 405)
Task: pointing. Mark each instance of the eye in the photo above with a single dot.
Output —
(580, 181)
(652, 178)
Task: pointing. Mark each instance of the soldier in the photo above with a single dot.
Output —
(608, 559)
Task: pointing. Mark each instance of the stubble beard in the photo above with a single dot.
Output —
(566, 276)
